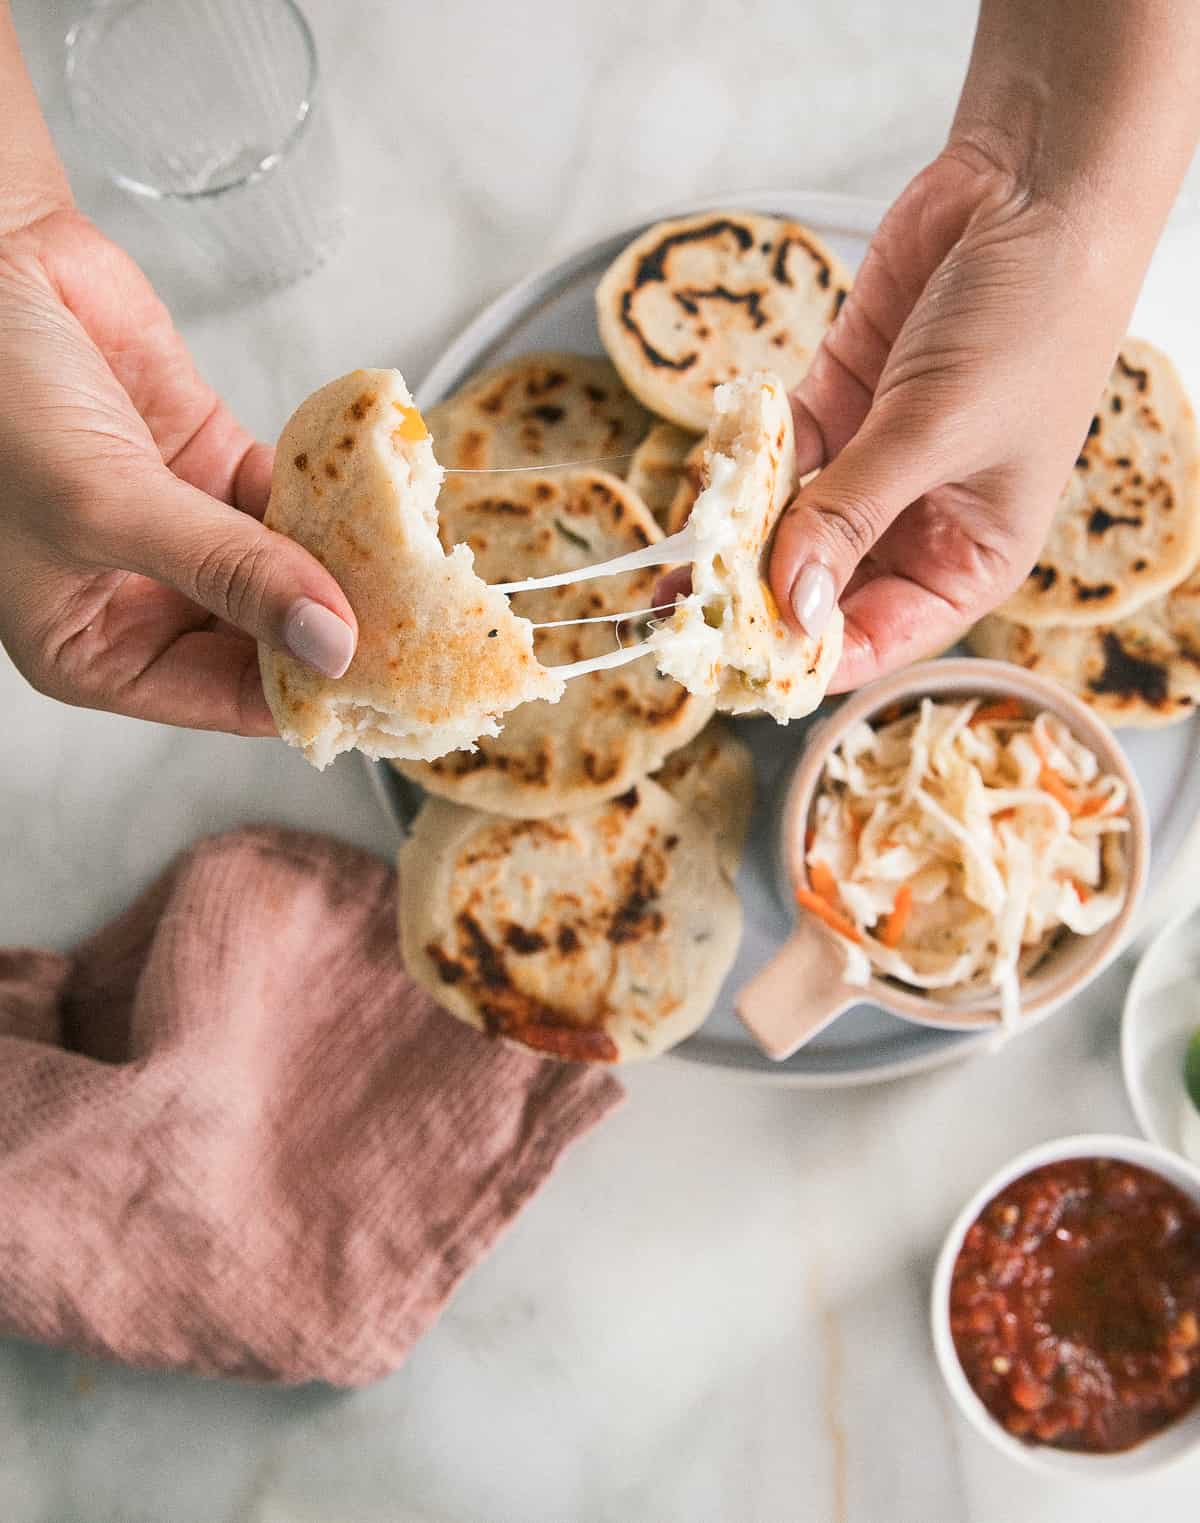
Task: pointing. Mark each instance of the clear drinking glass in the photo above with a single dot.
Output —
(208, 112)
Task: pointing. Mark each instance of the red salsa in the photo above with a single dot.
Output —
(1075, 1305)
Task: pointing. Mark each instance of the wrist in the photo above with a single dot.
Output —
(1109, 201)
(1088, 106)
(22, 207)
(33, 182)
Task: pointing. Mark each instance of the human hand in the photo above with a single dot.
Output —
(134, 573)
(947, 405)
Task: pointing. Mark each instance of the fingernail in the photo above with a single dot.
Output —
(315, 635)
(813, 599)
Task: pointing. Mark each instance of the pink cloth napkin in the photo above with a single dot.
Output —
(236, 1139)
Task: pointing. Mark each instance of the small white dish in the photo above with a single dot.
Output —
(1162, 1010)
(1174, 1442)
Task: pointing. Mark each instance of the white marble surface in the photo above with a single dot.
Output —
(716, 1310)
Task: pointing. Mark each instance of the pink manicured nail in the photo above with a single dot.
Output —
(315, 635)
(813, 599)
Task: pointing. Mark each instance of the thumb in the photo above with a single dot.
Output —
(837, 518)
(229, 563)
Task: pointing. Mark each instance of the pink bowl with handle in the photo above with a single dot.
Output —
(803, 988)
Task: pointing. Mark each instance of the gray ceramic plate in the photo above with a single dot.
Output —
(553, 309)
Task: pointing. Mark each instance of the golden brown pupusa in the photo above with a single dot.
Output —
(714, 297)
(543, 409)
(440, 656)
(597, 936)
(1127, 526)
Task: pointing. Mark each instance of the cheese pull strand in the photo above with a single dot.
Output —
(606, 618)
(678, 549)
(602, 663)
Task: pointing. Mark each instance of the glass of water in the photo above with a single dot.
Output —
(208, 112)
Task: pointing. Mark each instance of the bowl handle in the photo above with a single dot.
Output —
(799, 992)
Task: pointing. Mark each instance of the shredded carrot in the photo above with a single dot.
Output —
(1082, 892)
(893, 927)
(1095, 804)
(412, 424)
(1050, 782)
(1003, 814)
(993, 713)
(820, 875)
(823, 910)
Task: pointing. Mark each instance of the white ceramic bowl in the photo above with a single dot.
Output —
(1162, 1010)
(1174, 1442)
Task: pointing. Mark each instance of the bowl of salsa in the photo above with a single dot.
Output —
(1066, 1307)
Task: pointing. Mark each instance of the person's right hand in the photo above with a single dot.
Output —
(134, 572)
(946, 406)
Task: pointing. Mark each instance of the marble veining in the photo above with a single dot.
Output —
(716, 1312)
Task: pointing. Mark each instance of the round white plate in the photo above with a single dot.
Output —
(1162, 1010)
(554, 309)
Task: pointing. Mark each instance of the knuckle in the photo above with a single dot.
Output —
(47, 674)
(849, 523)
(926, 411)
(232, 578)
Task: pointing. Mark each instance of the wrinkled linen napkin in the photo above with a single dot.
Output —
(236, 1139)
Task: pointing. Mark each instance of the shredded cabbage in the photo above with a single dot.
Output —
(962, 840)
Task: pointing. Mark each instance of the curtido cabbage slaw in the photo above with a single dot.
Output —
(950, 846)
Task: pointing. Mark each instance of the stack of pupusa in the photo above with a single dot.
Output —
(589, 913)
(552, 892)
(1112, 608)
